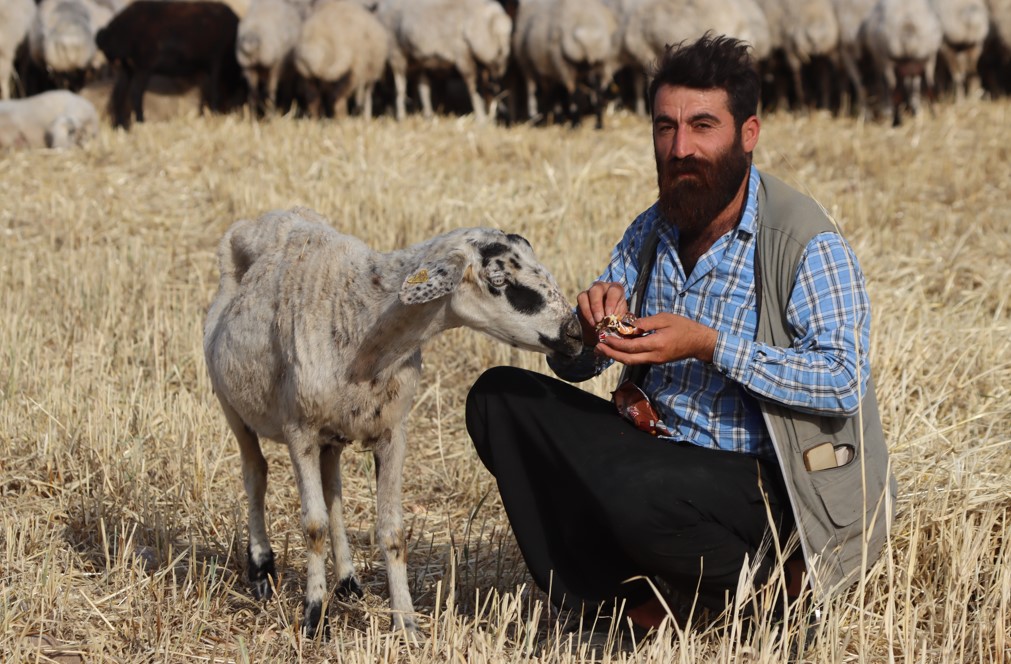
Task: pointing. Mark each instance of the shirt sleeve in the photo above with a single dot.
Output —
(826, 368)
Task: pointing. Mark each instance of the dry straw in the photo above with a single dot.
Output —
(122, 531)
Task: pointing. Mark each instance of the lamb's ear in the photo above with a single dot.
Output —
(433, 279)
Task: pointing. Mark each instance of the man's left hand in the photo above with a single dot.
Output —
(671, 338)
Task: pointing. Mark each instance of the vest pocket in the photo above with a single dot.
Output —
(840, 492)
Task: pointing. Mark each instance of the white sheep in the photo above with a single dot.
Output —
(342, 50)
(16, 17)
(566, 43)
(432, 35)
(1000, 20)
(62, 37)
(314, 340)
(903, 38)
(965, 25)
(851, 14)
(744, 20)
(1000, 34)
(266, 38)
(53, 119)
(804, 30)
(647, 27)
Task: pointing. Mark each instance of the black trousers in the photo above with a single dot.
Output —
(593, 501)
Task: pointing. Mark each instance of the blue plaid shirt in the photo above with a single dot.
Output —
(715, 405)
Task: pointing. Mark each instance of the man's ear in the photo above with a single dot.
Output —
(433, 279)
(749, 133)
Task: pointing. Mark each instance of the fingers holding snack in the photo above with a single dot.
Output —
(596, 303)
(614, 325)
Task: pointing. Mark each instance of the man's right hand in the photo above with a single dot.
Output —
(601, 299)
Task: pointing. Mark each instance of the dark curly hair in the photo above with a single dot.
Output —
(714, 61)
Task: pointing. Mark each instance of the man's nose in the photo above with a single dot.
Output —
(682, 146)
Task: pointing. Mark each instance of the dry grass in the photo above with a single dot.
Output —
(123, 511)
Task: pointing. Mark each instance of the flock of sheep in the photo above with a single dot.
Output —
(516, 59)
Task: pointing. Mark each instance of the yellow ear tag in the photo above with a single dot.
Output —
(419, 278)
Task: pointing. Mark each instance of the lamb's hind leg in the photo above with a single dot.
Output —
(389, 455)
(330, 467)
(261, 572)
(304, 449)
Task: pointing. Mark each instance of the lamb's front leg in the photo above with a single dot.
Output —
(330, 465)
(303, 447)
(389, 455)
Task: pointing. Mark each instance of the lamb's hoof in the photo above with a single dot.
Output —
(348, 588)
(407, 628)
(262, 576)
(315, 623)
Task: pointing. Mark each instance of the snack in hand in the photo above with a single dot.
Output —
(614, 325)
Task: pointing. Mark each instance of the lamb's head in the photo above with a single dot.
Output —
(495, 284)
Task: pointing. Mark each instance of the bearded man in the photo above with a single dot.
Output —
(755, 327)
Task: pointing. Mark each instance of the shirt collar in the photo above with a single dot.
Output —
(749, 220)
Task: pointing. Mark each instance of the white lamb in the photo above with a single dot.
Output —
(16, 17)
(314, 340)
(266, 38)
(53, 119)
(566, 43)
(431, 35)
(903, 37)
(965, 24)
(342, 50)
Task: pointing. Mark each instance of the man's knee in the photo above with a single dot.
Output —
(482, 408)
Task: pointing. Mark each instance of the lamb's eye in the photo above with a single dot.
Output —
(497, 279)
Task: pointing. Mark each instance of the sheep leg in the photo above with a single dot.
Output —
(273, 80)
(330, 469)
(121, 99)
(476, 102)
(849, 63)
(260, 571)
(400, 85)
(389, 457)
(138, 84)
(929, 72)
(304, 450)
(795, 64)
(365, 103)
(639, 86)
(425, 94)
(531, 98)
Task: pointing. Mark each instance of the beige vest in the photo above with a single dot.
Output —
(839, 510)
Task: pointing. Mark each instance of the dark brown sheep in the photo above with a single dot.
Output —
(177, 39)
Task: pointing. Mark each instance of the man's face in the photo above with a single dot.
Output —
(701, 157)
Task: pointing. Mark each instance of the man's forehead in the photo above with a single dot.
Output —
(681, 101)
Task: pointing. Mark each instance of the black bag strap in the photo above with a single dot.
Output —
(646, 261)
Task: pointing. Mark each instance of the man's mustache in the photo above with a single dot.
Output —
(684, 166)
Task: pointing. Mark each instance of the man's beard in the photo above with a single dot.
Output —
(692, 203)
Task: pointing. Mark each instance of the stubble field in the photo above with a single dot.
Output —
(122, 514)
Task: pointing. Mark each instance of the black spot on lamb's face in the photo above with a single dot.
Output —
(524, 299)
(517, 239)
(490, 251)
